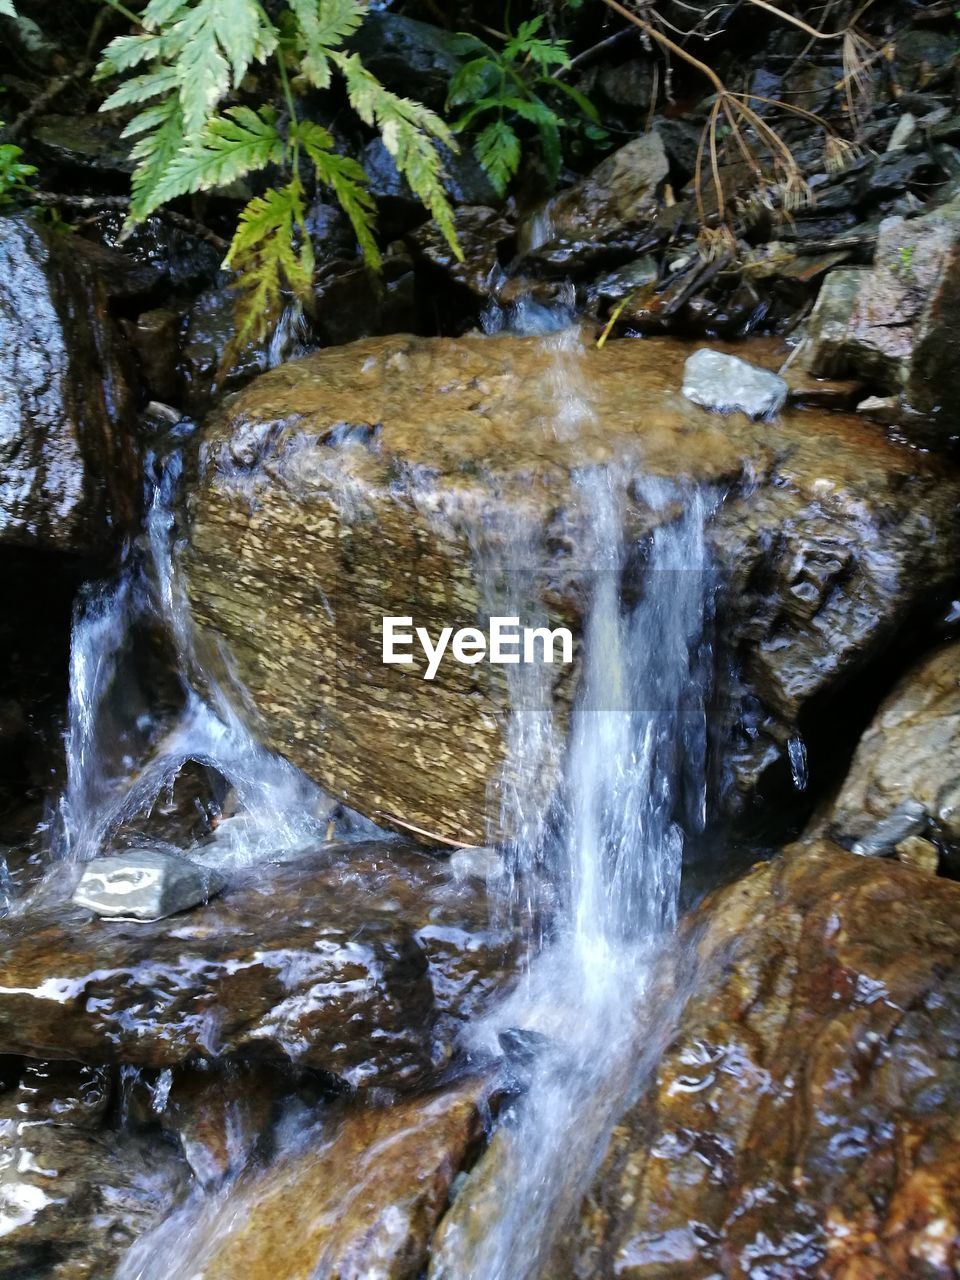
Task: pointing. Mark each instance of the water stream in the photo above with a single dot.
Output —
(632, 784)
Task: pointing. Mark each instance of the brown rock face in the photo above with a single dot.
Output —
(360, 1198)
(364, 963)
(69, 475)
(911, 751)
(437, 479)
(804, 1123)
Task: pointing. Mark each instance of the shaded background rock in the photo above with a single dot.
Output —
(70, 473)
(910, 752)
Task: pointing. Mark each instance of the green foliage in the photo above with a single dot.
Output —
(192, 54)
(14, 174)
(516, 86)
(7, 10)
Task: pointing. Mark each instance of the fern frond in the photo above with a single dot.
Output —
(324, 26)
(214, 41)
(152, 84)
(348, 181)
(527, 44)
(7, 10)
(408, 129)
(265, 255)
(497, 148)
(162, 137)
(239, 142)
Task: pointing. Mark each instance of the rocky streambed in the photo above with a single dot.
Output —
(642, 965)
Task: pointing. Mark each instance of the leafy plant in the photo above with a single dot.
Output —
(509, 87)
(180, 66)
(7, 10)
(14, 174)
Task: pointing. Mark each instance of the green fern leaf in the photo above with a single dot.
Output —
(348, 181)
(214, 41)
(161, 13)
(126, 52)
(265, 256)
(526, 44)
(408, 129)
(152, 84)
(7, 10)
(239, 142)
(324, 26)
(474, 80)
(161, 127)
(497, 148)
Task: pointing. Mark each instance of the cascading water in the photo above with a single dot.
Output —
(278, 810)
(634, 771)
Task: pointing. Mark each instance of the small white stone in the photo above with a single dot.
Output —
(144, 884)
(725, 384)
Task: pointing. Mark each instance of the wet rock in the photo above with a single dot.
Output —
(305, 535)
(72, 1201)
(91, 142)
(69, 473)
(361, 1198)
(727, 384)
(612, 207)
(64, 1093)
(209, 332)
(478, 864)
(155, 337)
(803, 1122)
(910, 754)
(480, 232)
(415, 58)
(920, 854)
(908, 819)
(144, 884)
(899, 332)
(363, 962)
(463, 179)
(218, 1113)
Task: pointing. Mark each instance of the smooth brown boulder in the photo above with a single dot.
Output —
(360, 1197)
(69, 470)
(805, 1121)
(411, 477)
(364, 962)
(911, 751)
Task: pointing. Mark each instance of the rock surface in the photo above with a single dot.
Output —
(727, 384)
(373, 480)
(363, 962)
(72, 1201)
(898, 324)
(360, 1199)
(144, 884)
(69, 475)
(804, 1122)
(910, 753)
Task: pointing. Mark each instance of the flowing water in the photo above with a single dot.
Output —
(608, 847)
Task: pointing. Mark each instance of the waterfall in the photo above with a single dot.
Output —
(278, 810)
(634, 780)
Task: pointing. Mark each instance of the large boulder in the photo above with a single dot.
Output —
(69, 474)
(805, 1121)
(909, 753)
(359, 1196)
(401, 476)
(364, 962)
(897, 325)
